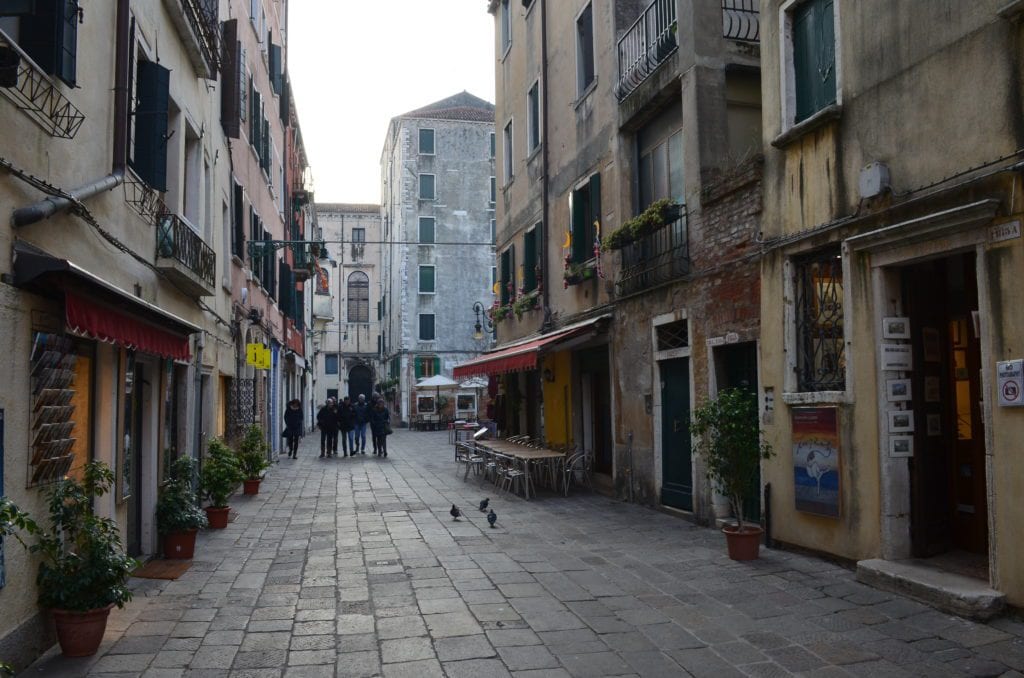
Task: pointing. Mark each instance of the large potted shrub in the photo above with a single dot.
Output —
(178, 515)
(83, 569)
(729, 440)
(220, 476)
(252, 457)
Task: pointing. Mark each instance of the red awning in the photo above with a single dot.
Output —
(515, 358)
(104, 323)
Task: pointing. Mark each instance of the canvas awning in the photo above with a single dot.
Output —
(523, 355)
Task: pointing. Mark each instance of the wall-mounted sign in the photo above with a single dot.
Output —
(816, 470)
(1010, 383)
(897, 357)
(258, 356)
(1009, 230)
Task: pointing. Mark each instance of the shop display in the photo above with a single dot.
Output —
(53, 374)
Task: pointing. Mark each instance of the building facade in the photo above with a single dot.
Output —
(605, 341)
(893, 251)
(438, 194)
(349, 343)
(124, 256)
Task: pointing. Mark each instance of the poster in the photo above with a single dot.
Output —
(816, 486)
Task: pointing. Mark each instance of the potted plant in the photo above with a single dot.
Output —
(658, 214)
(729, 439)
(576, 273)
(178, 515)
(499, 313)
(83, 569)
(525, 303)
(220, 476)
(252, 457)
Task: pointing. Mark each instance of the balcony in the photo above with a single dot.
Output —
(659, 257)
(741, 20)
(648, 42)
(199, 27)
(183, 256)
(32, 90)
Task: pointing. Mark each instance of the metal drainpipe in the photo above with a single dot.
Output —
(544, 241)
(43, 209)
(198, 406)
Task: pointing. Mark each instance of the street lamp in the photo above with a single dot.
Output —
(483, 321)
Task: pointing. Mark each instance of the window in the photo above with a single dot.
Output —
(359, 235)
(426, 230)
(255, 233)
(494, 231)
(584, 50)
(427, 187)
(533, 117)
(505, 25)
(426, 279)
(426, 327)
(426, 366)
(813, 54)
(530, 260)
(358, 297)
(152, 107)
(493, 149)
(331, 363)
(237, 220)
(660, 169)
(426, 141)
(821, 364)
(494, 278)
(48, 32)
(494, 191)
(584, 210)
(506, 149)
(508, 266)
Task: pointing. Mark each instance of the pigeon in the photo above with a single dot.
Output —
(483, 505)
(455, 512)
(492, 517)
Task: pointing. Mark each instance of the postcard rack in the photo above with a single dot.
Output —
(53, 376)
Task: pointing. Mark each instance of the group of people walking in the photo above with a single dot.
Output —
(347, 418)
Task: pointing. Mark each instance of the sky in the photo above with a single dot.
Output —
(355, 64)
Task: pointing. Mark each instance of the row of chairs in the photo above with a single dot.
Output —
(504, 471)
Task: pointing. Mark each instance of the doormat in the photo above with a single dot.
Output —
(163, 569)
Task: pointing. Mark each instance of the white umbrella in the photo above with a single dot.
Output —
(438, 381)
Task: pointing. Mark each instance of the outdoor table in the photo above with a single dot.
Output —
(526, 456)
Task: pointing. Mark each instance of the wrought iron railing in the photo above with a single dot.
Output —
(31, 90)
(741, 20)
(204, 24)
(658, 257)
(821, 360)
(648, 42)
(176, 240)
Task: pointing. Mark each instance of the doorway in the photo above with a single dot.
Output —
(360, 382)
(949, 511)
(676, 453)
(736, 367)
(596, 408)
(131, 480)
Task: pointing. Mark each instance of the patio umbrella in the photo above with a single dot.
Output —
(438, 381)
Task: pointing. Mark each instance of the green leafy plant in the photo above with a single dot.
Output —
(221, 474)
(729, 439)
(525, 303)
(578, 272)
(499, 313)
(656, 215)
(83, 564)
(177, 509)
(252, 453)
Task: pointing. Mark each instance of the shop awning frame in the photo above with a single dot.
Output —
(523, 355)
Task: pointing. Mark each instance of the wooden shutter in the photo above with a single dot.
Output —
(418, 367)
(578, 220)
(437, 366)
(594, 213)
(285, 103)
(238, 222)
(50, 36)
(243, 86)
(814, 57)
(274, 62)
(530, 259)
(149, 159)
(230, 83)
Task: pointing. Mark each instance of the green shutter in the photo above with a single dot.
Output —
(418, 368)
(530, 259)
(426, 279)
(230, 88)
(274, 58)
(437, 366)
(595, 212)
(149, 158)
(814, 57)
(50, 36)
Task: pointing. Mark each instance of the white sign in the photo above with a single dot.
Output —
(897, 357)
(1006, 231)
(732, 338)
(716, 341)
(1010, 382)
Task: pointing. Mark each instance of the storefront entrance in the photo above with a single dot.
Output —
(947, 472)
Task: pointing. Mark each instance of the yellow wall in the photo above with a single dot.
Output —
(558, 398)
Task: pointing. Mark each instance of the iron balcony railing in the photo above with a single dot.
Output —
(24, 83)
(648, 42)
(741, 20)
(204, 25)
(660, 256)
(176, 240)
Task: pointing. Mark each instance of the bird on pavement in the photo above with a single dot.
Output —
(492, 517)
(483, 505)
(455, 512)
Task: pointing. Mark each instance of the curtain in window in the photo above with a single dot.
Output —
(358, 298)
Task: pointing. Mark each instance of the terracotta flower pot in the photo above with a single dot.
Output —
(251, 486)
(217, 517)
(180, 545)
(745, 544)
(80, 633)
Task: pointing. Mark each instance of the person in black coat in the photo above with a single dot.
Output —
(346, 424)
(293, 426)
(361, 408)
(327, 422)
(380, 420)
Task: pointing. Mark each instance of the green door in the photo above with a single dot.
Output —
(676, 460)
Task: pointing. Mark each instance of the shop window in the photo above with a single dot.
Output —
(821, 362)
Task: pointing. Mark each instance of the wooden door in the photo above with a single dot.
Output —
(676, 459)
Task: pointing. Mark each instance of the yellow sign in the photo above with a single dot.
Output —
(258, 356)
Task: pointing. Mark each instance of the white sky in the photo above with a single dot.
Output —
(355, 64)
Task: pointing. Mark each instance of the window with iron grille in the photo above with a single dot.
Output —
(821, 363)
(673, 335)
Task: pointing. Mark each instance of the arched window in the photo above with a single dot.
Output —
(358, 298)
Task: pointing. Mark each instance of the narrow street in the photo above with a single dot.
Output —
(353, 567)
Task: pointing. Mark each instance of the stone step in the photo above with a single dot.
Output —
(946, 591)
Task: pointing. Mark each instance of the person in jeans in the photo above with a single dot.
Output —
(293, 427)
(361, 410)
(327, 422)
(346, 424)
(380, 419)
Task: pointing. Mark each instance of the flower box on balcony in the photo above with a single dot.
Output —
(499, 313)
(525, 303)
(658, 214)
(575, 273)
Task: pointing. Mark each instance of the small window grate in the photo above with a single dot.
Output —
(821, 362)
(673, 335)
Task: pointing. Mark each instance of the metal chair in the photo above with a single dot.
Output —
(578, 468)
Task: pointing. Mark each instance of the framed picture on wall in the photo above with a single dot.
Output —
(901, 446)
(897, 390)
(896, 328)
(901, 421)
(816, 460)
(931, 340)
(425, 404)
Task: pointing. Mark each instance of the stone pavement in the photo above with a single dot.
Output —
(353, 567)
